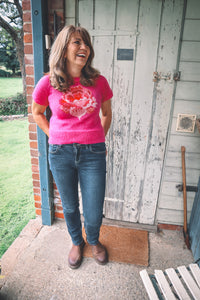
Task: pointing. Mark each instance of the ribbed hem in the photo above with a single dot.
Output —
(81, 137)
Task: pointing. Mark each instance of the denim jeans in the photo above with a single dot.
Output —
(86, 164)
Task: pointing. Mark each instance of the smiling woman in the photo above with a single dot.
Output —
(75, 93)
(76, 55)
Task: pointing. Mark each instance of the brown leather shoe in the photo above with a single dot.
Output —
(76, 255)
(100, 254)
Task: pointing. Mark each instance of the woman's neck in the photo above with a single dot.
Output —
(74, 72)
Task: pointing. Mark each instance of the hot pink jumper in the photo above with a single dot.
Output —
(75, 114)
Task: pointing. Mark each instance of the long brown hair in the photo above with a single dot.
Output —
(59, 76)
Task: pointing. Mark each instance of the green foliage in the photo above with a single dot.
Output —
(12, 101)
(8, 54)
(13, 106)
(4, 73)
(16, 191)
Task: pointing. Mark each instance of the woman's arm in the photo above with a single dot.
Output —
(39, 117)
(106, 115)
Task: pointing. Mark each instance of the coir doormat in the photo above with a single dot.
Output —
(123, 245)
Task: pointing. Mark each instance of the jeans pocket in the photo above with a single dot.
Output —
(53, 149)
(99, 148)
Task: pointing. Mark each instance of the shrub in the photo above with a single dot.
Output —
(13, 105)
(4, 73)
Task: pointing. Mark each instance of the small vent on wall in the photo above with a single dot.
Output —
(185, 123)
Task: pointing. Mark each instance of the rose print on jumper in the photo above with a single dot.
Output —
(78, 101)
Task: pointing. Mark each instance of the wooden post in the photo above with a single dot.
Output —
(38, 8)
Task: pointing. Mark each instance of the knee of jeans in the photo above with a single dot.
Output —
(70, 210)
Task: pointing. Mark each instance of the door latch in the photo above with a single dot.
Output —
(161, 76)
(157, 76)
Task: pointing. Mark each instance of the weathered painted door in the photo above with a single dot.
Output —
(132, 40)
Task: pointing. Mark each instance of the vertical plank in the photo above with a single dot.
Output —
(119, 132)
(105, 14)
(171, 23)
(85, 14)
(123, 71)
(145, 64)
(103, 59)
(127, 12)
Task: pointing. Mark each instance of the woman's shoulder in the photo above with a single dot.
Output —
(44, 82)
(45, 79)
(101, 80)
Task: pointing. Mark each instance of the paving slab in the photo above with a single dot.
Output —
(40, 269)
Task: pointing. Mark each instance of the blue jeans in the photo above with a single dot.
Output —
(86, 164)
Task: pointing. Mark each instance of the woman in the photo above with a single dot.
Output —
(75, 93)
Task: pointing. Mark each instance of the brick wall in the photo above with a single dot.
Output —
(58, 6)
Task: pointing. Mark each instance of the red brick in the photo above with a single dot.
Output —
(35, 169)
(170, 227)
(29, 90)
(29, 99)
(28, 49)
(35, 176)
(27, 27)
(29, 59)
(37, 198)
(30, 118)
(36, 190)
(33, 136)
(58, 207)
(34, 153)
(33, 145)
(37, 205)
(26, 5)
(29, 70)
(35, 161)
(30, 80)
(28, 38)
(26, 16)
(38, 212)
(36, 183)
(59, 215)
(32, 127)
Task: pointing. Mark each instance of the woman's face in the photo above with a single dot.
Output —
(77, 52)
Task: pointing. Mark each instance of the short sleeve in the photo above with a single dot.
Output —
(105, 89)
(41, 91)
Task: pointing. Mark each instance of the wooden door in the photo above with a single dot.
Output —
(132, 40)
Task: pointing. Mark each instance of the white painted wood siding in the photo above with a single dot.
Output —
(187, 101)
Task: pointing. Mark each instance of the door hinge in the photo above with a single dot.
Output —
(177, 76)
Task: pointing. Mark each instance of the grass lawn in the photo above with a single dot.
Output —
(10, 87)
(16, 192)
